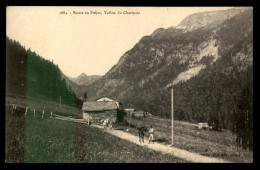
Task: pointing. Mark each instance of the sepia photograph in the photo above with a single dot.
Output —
(129, 84)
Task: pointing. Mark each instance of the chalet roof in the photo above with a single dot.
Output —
(99, 106)
(104, 97)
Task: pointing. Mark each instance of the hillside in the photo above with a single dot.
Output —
(79, 90)
(30, 75)
(210, 67)
(85, 80)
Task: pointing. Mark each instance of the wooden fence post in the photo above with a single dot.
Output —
(172, 112)
(34, 112)
(42, 113)
(51, 115)
(13, 109)
(26, 111)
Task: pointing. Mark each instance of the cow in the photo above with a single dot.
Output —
(111, 122)
(87, 117)
(105, 123)
(141, 132)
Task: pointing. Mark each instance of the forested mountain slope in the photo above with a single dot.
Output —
(210, 67)
(28, 74)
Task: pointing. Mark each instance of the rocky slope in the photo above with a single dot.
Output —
(197, 20)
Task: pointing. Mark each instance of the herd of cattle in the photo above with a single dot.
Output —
(106, 122)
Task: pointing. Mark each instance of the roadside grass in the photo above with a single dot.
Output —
(186, 136)
(14, 138)
(49, 141)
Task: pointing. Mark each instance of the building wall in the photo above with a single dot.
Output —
(103, 115)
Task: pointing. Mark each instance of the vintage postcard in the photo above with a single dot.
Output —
(107, 84)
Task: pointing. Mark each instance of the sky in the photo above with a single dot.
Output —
(91, 42)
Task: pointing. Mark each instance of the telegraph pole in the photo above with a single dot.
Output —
(172, 111)
(130, 117)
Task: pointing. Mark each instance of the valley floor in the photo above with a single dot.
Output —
(42, 139)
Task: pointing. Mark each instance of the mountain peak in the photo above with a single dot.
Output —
(83, 79)
(82, 75)
(201, 19)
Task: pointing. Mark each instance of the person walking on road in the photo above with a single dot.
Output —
(151, 134)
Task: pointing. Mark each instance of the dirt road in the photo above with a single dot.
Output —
(179, 153)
